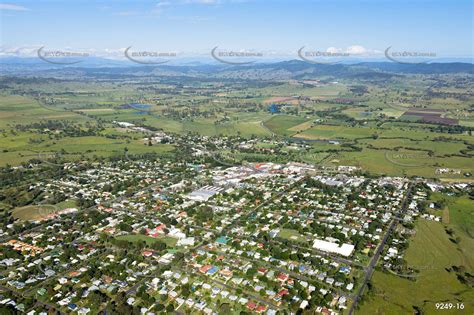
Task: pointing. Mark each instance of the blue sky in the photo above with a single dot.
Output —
(281, 27)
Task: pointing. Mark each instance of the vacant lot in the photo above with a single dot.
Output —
(33, 212)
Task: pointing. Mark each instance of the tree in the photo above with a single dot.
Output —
(170, 308)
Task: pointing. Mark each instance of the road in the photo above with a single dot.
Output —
(378, 251)
(295, 275)
(232, 288)
(134, 288)
(326, 254)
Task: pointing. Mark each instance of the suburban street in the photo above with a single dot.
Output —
(373, 262)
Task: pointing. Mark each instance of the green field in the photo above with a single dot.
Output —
(169, 241)
(37, 212)
(281, 124)
(292, 235)
(430, 252)
(377, 144)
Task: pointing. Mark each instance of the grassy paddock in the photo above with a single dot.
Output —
(430, 252)
(169, 241)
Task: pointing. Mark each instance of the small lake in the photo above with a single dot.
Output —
(139, 106)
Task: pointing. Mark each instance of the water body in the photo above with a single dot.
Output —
(142, 109)
(140, 106)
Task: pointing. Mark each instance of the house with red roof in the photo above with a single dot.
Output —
(282, 277)
(283, 292)
(262, 271)
(147, 253)
(156, 231)
(205, 268)
(261, 309)
(251, 305)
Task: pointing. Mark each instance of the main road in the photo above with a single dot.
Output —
(378, 251)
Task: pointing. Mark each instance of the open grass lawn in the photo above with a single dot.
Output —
(282, 124)
(36, 212)
(439, 148)
(395, 161)
(329, 132)
(292, 235)
(461, 220)
(284, 90)
(24, 110)
(17, 149)
(245, 127)
(169, 241)
(314, 157)
(33, 212)
(389, 162)
(303, 126)
(430, 251)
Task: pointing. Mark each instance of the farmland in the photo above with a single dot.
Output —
(214, 181)
(369, 130)
(211, 157)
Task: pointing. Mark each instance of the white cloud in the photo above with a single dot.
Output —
(334, 50)
(12, 7)
(354, 50)
(32, 51)
(163, 4)
(24, 51)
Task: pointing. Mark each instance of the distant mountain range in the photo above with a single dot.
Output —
(283, 70)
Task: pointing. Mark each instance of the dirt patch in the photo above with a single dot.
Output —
(280, 100)
(301, 127)
(426, 110)
(430, 117)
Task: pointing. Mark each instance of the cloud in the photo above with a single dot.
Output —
(23, 51)
(32, 51)
(12, 7)
(163, 4)
(354, 50)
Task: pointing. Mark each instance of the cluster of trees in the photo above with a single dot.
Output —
(138, 244)
(463, 276)
(66, 128)
(201, 214)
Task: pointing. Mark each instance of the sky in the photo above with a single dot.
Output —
(280, 27)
